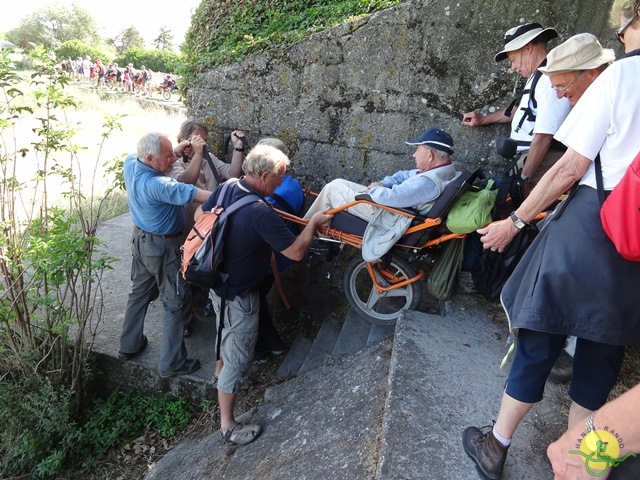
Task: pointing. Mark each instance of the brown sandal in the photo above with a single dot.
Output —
(243, 434)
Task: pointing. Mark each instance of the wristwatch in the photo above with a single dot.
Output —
(516, 221)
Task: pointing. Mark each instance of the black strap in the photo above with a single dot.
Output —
(599, 181)
(223, 300)
(284, 204)
(216, 174)
(528, 110)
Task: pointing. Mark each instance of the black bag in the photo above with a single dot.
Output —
(202, 252)
(510, 195)
(492, 269)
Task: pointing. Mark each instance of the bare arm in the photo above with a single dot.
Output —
(198, 213)
(194, 167)
(475, 119)
(619, 415)
(539, 148)
(569, 169)
(300, 247)
(235, 171)
(201, 196)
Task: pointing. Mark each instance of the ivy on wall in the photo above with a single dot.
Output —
(225, 31)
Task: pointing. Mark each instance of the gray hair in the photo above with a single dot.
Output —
(274, 142)
(264, 159)
(443, 157)
(188, 128)
(150, 145)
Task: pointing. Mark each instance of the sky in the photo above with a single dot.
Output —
(113, 16)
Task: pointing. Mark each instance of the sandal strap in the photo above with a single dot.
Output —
(226, 436)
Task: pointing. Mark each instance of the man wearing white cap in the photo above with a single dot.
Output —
(575, 64)
(538, 113)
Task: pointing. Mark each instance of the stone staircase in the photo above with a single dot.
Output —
(333, 340)
(364, 402)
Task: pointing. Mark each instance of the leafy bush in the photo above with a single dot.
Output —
(223, 32)
(74, 49)
(156, 60)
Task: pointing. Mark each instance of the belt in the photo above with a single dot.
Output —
(167, 235)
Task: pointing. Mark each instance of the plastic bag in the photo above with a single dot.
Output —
(443, 279)
(472, 211)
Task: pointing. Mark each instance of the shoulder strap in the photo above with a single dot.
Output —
(283, 203)
(213, 168)
(599, 181)
(528, 110)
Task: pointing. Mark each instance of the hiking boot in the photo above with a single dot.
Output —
(485, 449)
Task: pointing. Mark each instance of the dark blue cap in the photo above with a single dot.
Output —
(436, 139)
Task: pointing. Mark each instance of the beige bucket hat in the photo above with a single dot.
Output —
(580, 52)
(518, 37)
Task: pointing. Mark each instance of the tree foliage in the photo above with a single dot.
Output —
(127, 39)
(156, 60)
(53, 24)
(75, 48)
(164, 40)
(50, 273)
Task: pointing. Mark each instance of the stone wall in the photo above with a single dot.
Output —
(345, 100)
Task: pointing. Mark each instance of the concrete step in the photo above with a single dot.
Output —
(325, 424)
(323, 345)
(354, 334)
(379, 333)
(445, 376)
(296, 356)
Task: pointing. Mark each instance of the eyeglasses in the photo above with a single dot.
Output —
(620, 31)
(565, 88)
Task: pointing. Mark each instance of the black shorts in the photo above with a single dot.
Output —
(595, 368)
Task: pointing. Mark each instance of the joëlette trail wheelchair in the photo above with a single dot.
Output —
(381, 290)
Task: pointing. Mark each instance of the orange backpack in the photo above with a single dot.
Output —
(202, 252)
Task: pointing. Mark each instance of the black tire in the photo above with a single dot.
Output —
(166, 94)
(381, 309)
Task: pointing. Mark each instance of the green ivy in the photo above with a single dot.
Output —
(224, 31)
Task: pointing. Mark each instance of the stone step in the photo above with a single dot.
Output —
(322, 425)
(379, 333)
(296, 356)
(354, 334)
(444, 377)
(323, 345)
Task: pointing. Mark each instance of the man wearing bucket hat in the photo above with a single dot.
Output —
(538, 113)
(575, 64)
(417, 188)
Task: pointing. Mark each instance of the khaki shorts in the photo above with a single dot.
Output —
(239, 336)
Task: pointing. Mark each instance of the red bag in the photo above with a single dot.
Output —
(620, 213)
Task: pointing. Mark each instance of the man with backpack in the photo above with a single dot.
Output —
(157, 204)
(537, 114)
(253, 232)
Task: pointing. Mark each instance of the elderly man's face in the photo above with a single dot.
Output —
(167, 158)
(572, 84)
(522, 61)
(424, 157)
(273, 180)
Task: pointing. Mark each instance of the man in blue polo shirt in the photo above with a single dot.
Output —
(157, 204)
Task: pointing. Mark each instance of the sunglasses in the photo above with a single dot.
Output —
(620, 31)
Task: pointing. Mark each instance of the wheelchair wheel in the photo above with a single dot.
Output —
(384, 308)
(166, 94)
